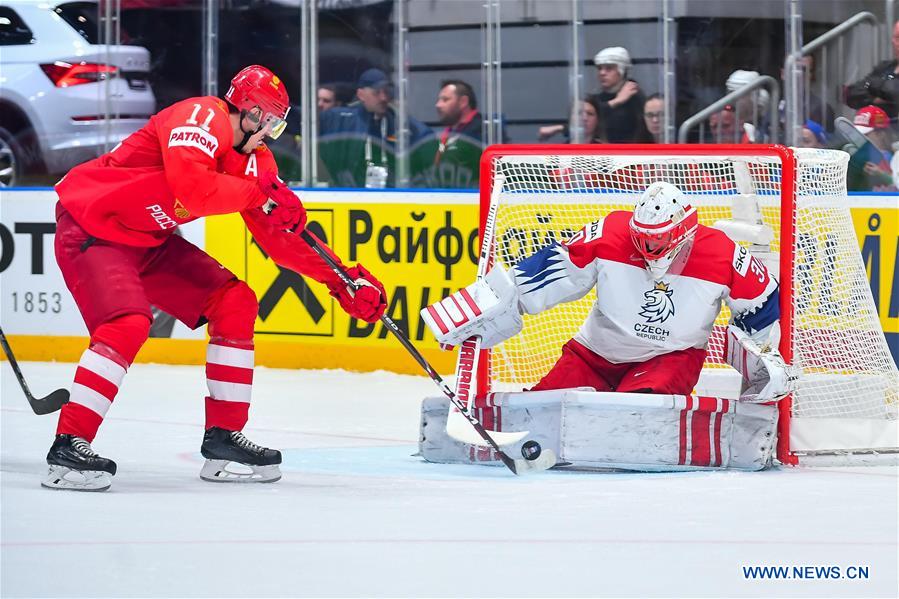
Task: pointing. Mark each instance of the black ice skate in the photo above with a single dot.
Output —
(249, 462)
(75, 466)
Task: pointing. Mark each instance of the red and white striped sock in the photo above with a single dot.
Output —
(97, 380)
(229, 376)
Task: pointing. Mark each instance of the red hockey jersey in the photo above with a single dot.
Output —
(180, 166)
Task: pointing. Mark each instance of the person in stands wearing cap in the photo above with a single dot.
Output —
(869, 167)
(813, 135)
(880, 87)
(117, 252)
(357, 142)
(620, 99)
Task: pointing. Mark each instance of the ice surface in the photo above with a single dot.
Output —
(356, 514)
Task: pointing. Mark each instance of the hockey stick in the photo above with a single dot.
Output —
(470, 353)
(544, 459)
(40, 405)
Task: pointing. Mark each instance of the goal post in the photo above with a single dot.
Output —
(787, 206)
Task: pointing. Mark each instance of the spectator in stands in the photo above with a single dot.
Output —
(326, 97)
(357, 142)
(456, 162)
(816, 109)
(881, 86)
(620, 99)
(653, 120)
(728, 128)
(590, 122)
(813, 135)
(751, 110)
(869, 167)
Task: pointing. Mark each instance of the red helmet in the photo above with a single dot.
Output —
(255, 87)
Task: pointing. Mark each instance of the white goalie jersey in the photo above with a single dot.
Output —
(636, 317)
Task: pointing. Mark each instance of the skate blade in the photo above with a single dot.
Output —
(66, 479)
(223, 471)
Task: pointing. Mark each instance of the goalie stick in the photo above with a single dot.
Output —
(545, 459)
(470, 355)
(40, 405)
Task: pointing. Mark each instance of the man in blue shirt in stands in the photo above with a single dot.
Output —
(357, 143)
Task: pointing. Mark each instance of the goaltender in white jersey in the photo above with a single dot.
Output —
(660, 278)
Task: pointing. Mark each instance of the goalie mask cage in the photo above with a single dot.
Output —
(791, 206)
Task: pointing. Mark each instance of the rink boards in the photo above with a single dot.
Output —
(421, 244)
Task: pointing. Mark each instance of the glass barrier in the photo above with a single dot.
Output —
(363, 134)
(813, 51)
(271, 35)
(846, 84)
(447, 90)
(76, 80)
(407, 93)
(605, 58)
(536, 45)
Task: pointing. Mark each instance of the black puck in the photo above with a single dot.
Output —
(531, 450)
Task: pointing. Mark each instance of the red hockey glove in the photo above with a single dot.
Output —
(288, 213)
(368, 302)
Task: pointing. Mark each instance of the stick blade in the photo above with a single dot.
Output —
(460, 429)
(546, 460)
(49, 404)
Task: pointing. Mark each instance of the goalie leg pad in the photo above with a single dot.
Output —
(627, 431)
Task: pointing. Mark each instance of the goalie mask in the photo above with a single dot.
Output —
(662, 225)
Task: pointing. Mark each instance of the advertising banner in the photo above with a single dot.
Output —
(421, 244)
(422, 247)
(36, 305)
(876, 222)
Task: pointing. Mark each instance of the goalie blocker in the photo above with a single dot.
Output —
(591, 430)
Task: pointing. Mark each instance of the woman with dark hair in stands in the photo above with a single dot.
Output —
(651, 128)
(588, 117)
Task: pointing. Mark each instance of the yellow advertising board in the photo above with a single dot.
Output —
(421, 252)
(423, 247)
(877, 230)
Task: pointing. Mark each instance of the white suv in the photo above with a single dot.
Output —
(64, 98)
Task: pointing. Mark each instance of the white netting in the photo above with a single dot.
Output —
(836, 334)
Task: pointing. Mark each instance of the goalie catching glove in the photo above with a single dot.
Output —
(368, 302)
(488, 308)
(766, 377)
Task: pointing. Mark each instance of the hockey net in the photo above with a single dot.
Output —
(787, 206)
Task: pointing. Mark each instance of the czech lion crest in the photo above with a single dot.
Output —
(658, 305)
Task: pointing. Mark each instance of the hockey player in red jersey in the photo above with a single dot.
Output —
(660, 278)
(115, 247)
